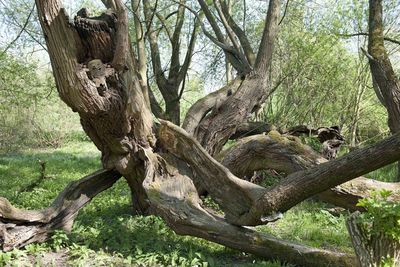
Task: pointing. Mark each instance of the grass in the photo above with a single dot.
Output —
(106, 234)
(385, 174)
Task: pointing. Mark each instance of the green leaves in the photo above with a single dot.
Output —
(382, 215)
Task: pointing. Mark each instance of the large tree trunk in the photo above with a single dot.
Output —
(97, 76)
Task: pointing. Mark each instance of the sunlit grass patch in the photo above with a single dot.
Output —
(310, 223)
(385, 174)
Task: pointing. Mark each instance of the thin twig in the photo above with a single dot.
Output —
(366, 34)
(20, 32)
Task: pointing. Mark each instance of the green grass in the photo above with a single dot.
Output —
(311, 224)
(385, 174)
(105, 233)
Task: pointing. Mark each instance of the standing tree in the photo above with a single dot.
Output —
(99, 77)
(385, 81)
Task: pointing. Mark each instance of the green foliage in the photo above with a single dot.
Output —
(105, 233)
(382, 215)
(31, 113)
(310, 223)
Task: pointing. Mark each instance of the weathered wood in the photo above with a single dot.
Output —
(173, 195)
(255, 204)
(19, 227)
(120, 124)
(287, 154)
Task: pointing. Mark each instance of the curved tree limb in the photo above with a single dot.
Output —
(173, 196)
(202, 106)
(21, 227)
(254, 204)
(287, 154)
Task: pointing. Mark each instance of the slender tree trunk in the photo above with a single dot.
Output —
(385, 81)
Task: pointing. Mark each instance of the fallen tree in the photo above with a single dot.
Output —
(97, 76)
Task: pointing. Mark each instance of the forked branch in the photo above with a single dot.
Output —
(253, 204)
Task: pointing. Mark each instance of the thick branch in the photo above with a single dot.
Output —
(220, 183)
(173, 196)
(175, 42)
(202, 106)
(301, 185)
(287, 154)
(384, 77)
(21, 227)
(122, 43)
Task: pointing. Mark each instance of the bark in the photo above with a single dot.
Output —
(174, 197)
(216, 128)
(386, 83)
(288, 155)
(114, 113)
(171, 86)
(19, 228)
(372, 248)
(254, 204)
(163, 176)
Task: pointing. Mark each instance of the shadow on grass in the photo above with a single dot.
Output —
(116, 231)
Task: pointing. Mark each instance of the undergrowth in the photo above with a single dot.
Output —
(106, 234)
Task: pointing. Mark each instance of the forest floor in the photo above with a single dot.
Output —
(106, 234)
